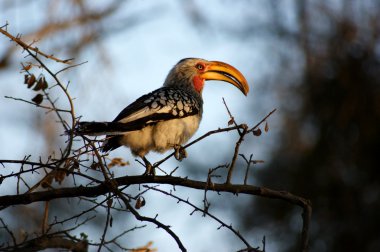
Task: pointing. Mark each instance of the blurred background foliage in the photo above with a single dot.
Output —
(330, 141)
(322, 73)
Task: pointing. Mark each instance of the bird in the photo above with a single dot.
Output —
(167, 117)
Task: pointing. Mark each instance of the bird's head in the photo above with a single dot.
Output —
(191, 73)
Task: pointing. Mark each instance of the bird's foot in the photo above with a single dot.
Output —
(150, 171)
(180, 152)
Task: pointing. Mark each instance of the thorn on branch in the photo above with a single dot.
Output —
(193, 212)
(173, 171)
(5, 26)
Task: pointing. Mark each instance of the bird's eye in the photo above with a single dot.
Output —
(199, 66)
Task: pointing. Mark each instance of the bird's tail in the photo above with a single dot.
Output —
(111, 143)
(103, 128)
(113, 130)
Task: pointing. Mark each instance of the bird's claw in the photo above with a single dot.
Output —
(150, 171)
(180, 152)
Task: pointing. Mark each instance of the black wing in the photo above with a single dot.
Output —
(160, 105)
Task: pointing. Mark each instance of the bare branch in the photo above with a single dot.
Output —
(39, 105)
(236, 153)
(31, 48)
(48, 241)
(208, 214)
(8, 231)
(102, 189)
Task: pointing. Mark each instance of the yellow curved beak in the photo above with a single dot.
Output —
(217, 70)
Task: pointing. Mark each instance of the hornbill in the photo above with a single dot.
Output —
(167, 117)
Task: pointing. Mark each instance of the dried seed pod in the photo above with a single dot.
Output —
(95, 166)
(41, 84)
(31, 80)
(266, 126)
(140, 202)
(27, 67)
(257, 132)
(59, 176)
(117, 162)
(231, 121)
(72, 165)
(38, 99)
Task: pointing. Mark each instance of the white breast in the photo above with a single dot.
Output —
(174, 132)
(162, 136)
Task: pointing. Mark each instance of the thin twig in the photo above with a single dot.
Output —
(68, 96)
(249, 163)
(232, 118)
(102, 240)
(8, 231)
(39, 105)
(68, 67)
(34, 49)
(45, 217)
(113, 187)
(248, 166)
(236, 153)
(206, 213)
(261, 121)
(185, 182)
(212, 132)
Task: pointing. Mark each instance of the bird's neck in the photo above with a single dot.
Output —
(195, 86)
(198, 84)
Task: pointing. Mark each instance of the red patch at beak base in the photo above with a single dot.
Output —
(198, 83)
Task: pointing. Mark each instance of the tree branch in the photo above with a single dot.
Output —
(31, 48)
(93, 191)
(46, 242)
(103, 188)
(222, 224)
